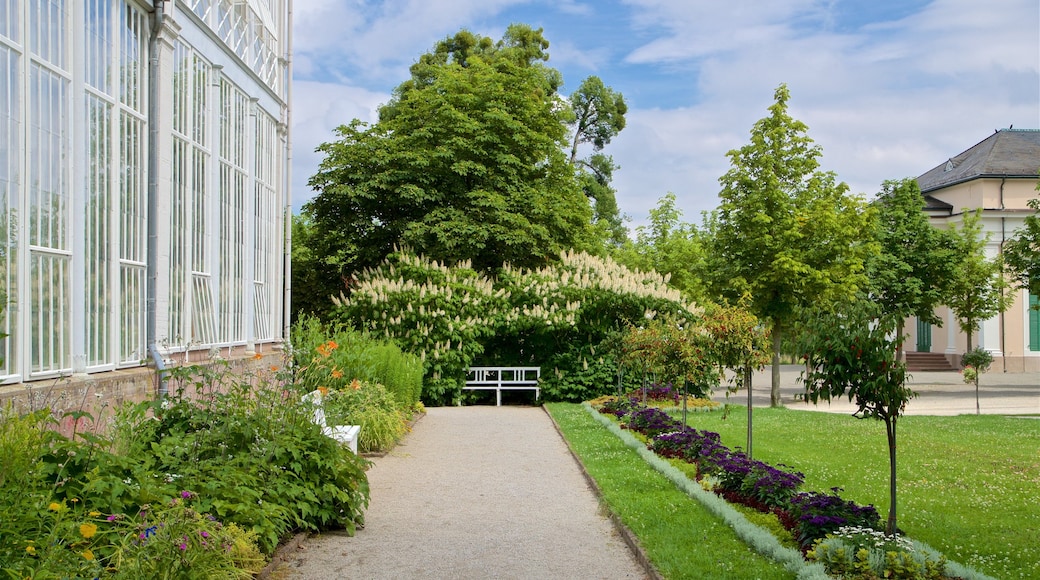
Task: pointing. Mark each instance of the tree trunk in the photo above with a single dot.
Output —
(978, 409)
(774, 391)
(900, 326)
(747, 383)
(969, 342)
(890, 429)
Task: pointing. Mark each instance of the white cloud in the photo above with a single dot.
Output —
(883, 102)
(318, 108)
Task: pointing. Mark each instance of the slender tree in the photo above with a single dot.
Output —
(599, 115)
(786, 233)
(853, 354)
(977, 291)
(916, 261)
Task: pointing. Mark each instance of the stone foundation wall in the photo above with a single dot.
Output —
(100, 394)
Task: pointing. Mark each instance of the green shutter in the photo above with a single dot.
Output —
(1034, 324)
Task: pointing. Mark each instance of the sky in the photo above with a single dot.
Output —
(888, 88)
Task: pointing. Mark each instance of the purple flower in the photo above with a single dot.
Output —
(183, 546)
(204, 534)
(187, 494)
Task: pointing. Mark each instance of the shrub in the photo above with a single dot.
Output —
(373, 408)
(254, 456)
(852, 552)
(354, 356)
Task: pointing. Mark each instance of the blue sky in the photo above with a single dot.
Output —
(888, 88)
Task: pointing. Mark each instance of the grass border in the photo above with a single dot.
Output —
(751, 533)
(759, 539)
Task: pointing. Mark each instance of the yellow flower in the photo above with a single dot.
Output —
(87, 530)
(31, 550)
(55, 506)
(94, 514)
(88, 555)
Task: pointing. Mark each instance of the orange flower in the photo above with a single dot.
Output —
(274, 368)
(258, 356)
(355, 384)
(336, 374)
(323, 390)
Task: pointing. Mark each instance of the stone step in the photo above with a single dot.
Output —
(928, 362)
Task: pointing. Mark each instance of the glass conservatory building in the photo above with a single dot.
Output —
(143, 192)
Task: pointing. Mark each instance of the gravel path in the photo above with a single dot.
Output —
(475, 492)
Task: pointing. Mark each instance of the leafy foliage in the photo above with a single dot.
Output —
(1022, 252)
(786, 234)
(977, 291)
(355, 356)
(854, 354)
(669, 246)
(466, 162)
(915, 265)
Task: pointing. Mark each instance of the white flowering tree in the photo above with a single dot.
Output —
(558, 317)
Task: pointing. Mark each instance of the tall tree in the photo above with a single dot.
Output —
(915, 264)
(978, 289)
(466, 162)
(786, 233)
(599, 115)
(1022, 252)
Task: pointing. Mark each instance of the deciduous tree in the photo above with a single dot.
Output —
(1022, 252)
(786, 233)
(916, 261)
(466, 162)
(977, 291)
(599, 115)
(852, 354)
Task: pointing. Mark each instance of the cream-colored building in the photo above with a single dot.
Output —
(143, 192)
(998, 175)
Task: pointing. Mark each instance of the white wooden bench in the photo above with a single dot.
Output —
(343, 433)
(503, 378)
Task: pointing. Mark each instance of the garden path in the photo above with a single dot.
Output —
(475, 492)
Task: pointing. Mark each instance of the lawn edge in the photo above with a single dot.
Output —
(630, 539)
(757, 538)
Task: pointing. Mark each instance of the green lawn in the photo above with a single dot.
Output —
(969, 485)
(680, 537)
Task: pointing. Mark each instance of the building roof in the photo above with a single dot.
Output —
(1005, 153)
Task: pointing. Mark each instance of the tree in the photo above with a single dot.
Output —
(977, 291)
(669, 246)
(854, 354)
(910, 273)
(599, 115)
(314, 280)
(1022, 252)
(786, 233)
(466, 162)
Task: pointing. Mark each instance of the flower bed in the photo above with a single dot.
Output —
(820, 522)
